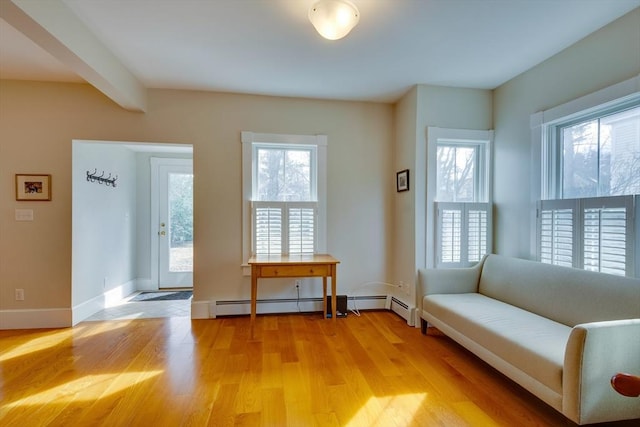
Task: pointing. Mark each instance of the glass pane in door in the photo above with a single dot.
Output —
(180, 222)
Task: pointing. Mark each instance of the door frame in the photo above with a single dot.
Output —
(156, 162)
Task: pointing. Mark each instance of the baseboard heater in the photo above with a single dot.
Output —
(403, 310)
(292, 305)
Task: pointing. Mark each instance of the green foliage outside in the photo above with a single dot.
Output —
(181, 208)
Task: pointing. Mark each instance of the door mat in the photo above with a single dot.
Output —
(161, 296)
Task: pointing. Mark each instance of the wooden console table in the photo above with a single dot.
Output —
(303, 265)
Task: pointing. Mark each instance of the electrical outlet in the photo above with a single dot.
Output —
(19, 294)
(297, 282)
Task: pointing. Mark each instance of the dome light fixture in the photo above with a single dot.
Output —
(334, 19)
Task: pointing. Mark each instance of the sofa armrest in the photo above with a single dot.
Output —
(449, 280)
(595, 352)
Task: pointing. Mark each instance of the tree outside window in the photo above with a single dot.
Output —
(601, 157)
(456, 175)
(284, 174)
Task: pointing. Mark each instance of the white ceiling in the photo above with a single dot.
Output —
(270, 47)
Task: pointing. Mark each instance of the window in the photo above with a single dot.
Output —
(591, 179)
(284, 182)
(598, 156)
(459, 195)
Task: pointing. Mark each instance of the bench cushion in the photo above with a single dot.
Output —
(532, 343)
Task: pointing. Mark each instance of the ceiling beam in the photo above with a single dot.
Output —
(56, 29)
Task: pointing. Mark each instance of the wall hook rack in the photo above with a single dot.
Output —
(108, 181)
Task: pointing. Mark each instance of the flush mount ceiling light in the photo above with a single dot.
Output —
(333, 19)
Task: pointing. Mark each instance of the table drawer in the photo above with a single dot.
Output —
(294, 270)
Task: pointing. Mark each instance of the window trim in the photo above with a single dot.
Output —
(248, 139)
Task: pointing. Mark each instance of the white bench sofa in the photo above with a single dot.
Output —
(561, 333)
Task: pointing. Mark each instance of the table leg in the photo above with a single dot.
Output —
(254, 295)
(334, 299)
(324, 296)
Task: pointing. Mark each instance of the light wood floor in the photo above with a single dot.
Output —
(375, 371)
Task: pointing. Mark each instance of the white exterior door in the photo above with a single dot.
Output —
(174, 223)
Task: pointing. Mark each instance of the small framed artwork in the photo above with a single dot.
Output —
(33, 187)
(402, 180)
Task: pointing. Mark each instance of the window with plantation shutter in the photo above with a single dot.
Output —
(590, 186)
(459, 192)
(462, 233)
(284, 186)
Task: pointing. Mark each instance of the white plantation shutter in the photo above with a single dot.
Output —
(450, 234)
(556, 223)
(267, 225)
(606, 234)
(463, 234)
(477, 230)
(591, 233)
(284, 227)
(302, 228)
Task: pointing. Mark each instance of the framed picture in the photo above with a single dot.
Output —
(33, 187)
(402, 180)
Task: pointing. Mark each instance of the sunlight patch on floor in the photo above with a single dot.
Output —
(87, 388)
(386, 411)
(105, 328)
(48, 340)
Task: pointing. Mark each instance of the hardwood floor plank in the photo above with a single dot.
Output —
(372, 370)
(274, 411)
(223, 411)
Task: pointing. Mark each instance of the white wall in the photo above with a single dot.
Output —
(360, 183)
(104, 221)
(421, 107)
(606, 57)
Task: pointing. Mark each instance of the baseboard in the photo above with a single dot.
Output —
(90, 307)
(36, 318)
(145, 285)
(213, 309)
(268, 306)
(203, 310)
